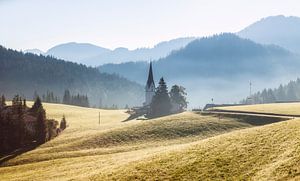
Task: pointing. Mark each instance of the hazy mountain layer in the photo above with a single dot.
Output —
(93, 55)
(279, 30)
(218, 67)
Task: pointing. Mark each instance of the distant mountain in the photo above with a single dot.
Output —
(278, 30)
(76, 52)
(25, 73)
(160, 50)
(34, 51)
(92, 55)
(218, 67)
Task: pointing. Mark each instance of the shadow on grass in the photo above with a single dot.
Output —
(5, 157)
(252, 119)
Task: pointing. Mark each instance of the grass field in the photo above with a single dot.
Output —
(182, 146)
(277, 108)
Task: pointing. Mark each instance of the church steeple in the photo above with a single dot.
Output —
(150, 87)
(150, 80)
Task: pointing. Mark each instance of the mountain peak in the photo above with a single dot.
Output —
(279, 30)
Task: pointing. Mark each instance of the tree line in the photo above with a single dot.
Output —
(77, 99)
(22, 126)
(284, 93)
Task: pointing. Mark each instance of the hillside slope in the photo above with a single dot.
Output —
(265, 153)
(25, 73)
(86, 149)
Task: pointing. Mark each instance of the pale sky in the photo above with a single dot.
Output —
(41, 24)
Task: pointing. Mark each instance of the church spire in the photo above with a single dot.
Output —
(150, 80)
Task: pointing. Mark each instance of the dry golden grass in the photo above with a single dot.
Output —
(277, 108)
(86, 149)
(270, 152)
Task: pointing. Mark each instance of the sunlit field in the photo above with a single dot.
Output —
(277, 108)
(182, 146)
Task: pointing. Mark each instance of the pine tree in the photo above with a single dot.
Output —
(37, 105)
(63, 123)
(67, 97)
(41, 126)
(161, 104)
(24, 103)
(2, 102)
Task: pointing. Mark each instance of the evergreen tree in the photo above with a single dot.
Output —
(178, 96)
(280, 93)
(35, 95)
(161, 103)
(24, 103)
(37, 105)
(63, 123)
(2, 101)
(291, 91)
(41, 126)
(67, 97)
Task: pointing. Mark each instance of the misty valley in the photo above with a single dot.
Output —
(219, 102)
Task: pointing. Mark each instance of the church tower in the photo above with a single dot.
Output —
(150, 87)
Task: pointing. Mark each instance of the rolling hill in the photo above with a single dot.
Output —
(181, 146)
(278, 30)
(218, 67)
(24, 74)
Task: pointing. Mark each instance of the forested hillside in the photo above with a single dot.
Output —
(26, 73)
(218, 67)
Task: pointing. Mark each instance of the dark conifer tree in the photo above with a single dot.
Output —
(37, 105)
(41, 126)
(2, 102)
(63, 123)
(67, 97)
(161, 104)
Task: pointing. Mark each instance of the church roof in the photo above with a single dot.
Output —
(150, 80)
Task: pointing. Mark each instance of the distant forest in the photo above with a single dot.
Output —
(284, 93)
(24, 74)
(68, 98)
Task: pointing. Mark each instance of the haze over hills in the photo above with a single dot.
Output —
(34, 51)
(278, 30)
(93, 55)
(76, 52)
(218, 67)
(25, 73)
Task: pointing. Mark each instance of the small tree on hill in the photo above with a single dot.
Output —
(63, 123)
(178, 96)
(161, 104)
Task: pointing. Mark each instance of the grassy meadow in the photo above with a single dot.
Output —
(182, 146)
(277, 108)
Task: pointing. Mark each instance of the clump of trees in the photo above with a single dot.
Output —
(284, 93)
(50, 97)
(165, 102)
(77, 100)
(22, 126)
